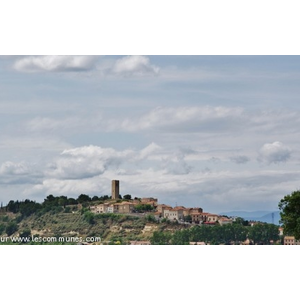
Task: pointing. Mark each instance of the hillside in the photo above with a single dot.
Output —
(60, 227)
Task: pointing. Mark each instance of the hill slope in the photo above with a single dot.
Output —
(110, 228)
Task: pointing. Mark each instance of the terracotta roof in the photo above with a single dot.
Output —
(164, 205)
(126, 203)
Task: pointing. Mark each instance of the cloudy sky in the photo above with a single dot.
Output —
(219, 132)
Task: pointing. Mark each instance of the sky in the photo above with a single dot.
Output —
(217, 132)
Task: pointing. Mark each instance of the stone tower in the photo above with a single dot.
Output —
(115, 189)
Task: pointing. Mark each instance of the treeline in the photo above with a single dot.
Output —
(51, 203)
(261, 233)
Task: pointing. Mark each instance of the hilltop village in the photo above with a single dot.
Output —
(126, 220)
(179, 214)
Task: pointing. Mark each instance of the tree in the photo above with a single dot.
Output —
(187, 218)
(263, 233)
(150, 218)
(181, 237)
(143, 207)
(84, 198)
(11, 228)
(289, 208)
(89, 217)
(29, 207)
(127, 197)
(95, 198)
(160, 238)
(13, 206)
(63, 201)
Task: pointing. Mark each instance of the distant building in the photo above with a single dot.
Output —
(115, 189)
(162, 207)
(99, 209)
(147, 200)
(211, 218)
(174, 214)
(197, 217)
(290, 240)
(197, 243)
(113, 208)
(280, 231)
(125, 207)
(223, 221)
(190, 211)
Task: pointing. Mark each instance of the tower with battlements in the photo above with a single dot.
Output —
(115, 189)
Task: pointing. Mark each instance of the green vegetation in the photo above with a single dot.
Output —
(11, 228)
(143, 207)
(261, 233)
(69, 217)
(290, 214)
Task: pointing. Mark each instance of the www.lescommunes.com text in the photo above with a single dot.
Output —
(49, 239)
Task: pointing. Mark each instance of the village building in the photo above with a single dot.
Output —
(197, 243)
(196, 210)
(125, 207)
(157, 215)
(190, 211)
(212, 218)
(146, 200)
(224, 221)
(197, 217)
(135, 201)
(99, 209)
(290, 240)
(113, 208)
(152, 203)
(187, 212)
(180, 207)
(161, 207)
(280, 231)
(174, 214)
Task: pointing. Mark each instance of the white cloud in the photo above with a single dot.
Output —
(274, 153)
(90, 161)
(153, 171)
(55, 63)
(87, 161)
(19, 173)
(70, 187)
(134, 65)
(149, 150)
(11, 168)
(206, 118)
